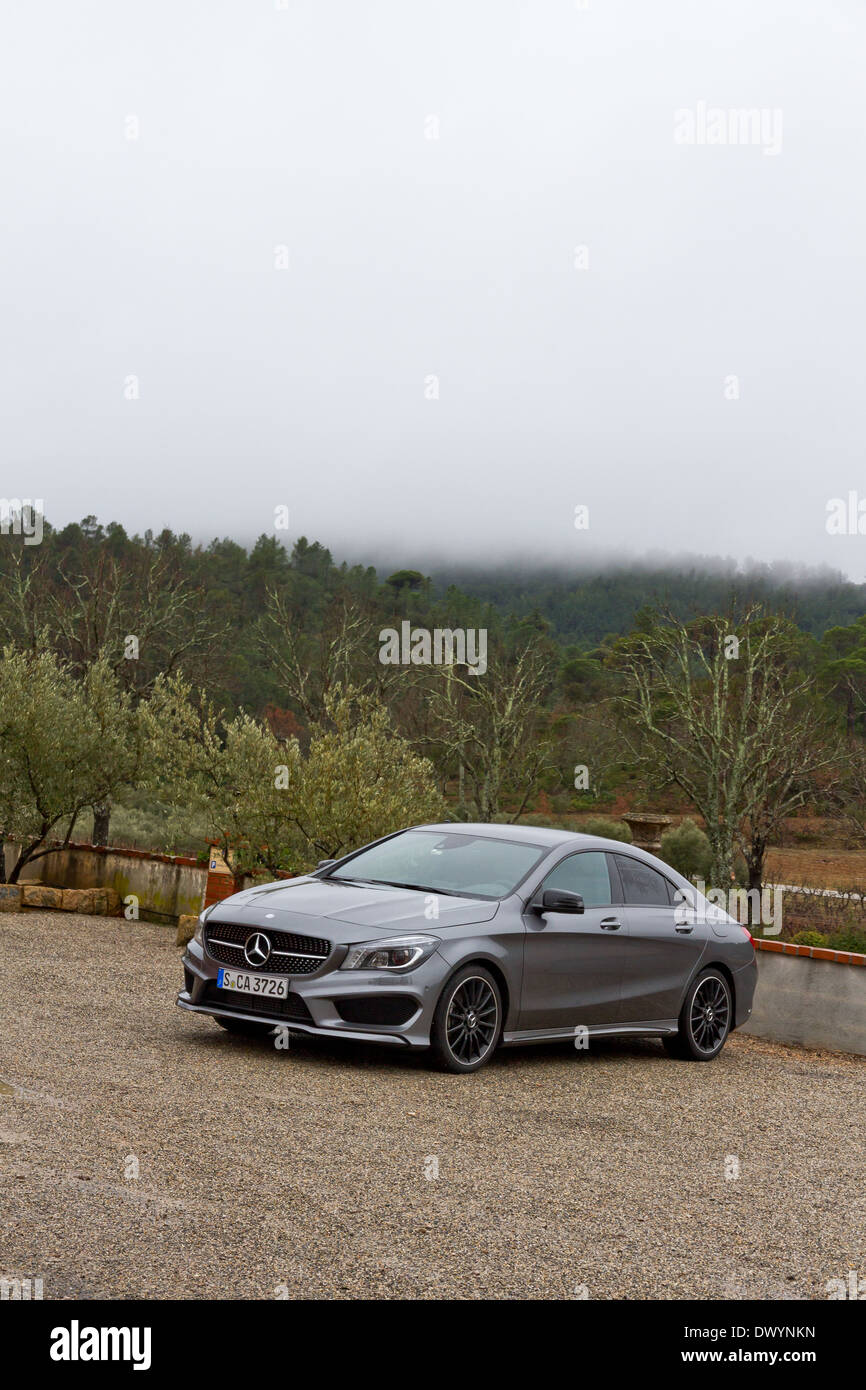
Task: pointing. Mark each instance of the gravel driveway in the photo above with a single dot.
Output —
(310, 1173)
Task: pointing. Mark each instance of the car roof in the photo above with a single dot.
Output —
(545, 836)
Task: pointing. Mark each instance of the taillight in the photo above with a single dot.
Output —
(748, 933)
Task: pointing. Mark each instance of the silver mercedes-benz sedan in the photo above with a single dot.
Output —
(464, 938)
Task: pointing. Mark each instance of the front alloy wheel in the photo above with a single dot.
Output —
(467, 1021)
(705, 1019)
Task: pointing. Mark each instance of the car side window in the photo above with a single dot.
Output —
(584, 873)
(641, 885)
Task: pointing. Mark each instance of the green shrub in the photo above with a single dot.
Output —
(812, 938)
(687, 850)
(849, 939)
(604, 826)
(606, 829)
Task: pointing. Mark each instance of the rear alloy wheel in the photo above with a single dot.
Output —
(705, 1019)
(245, 1026)
(468, 1020)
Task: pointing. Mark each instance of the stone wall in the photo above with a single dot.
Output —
(167, 887)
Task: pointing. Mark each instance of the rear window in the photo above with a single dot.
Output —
(641, 884)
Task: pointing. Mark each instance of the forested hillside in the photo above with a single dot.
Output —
(219, 611)
(584, 607)
(194, 692)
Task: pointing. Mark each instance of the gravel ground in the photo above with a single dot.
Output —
(306, 1172)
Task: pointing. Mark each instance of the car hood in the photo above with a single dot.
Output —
(347, 912)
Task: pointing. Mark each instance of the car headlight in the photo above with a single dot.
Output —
(390, 953)
(198, 934)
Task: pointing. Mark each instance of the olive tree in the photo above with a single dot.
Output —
(66, 742)
(270, 806)
(361, 779)
(138, 614)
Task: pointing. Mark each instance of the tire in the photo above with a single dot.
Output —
(705, 1019)
(245, 1027)
(468, 1021)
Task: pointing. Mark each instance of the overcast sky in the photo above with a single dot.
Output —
(694, 375)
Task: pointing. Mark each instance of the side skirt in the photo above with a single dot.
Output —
(660, 1028)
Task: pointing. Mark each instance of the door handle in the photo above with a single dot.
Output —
(683, 929)
(610, 924)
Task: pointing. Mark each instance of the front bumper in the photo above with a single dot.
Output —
(318, 1004)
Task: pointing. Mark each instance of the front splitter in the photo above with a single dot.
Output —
(187, 1004)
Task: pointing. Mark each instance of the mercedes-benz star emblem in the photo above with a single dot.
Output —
(257, 948)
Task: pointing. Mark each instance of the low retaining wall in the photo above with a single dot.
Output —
(167, 887)
(810, 995)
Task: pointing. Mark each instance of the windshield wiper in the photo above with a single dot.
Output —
(392, 883)
(420, 887)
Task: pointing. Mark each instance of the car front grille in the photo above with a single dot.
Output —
(292, 1009)
(290, 954)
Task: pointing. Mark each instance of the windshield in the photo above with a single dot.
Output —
(450, 862)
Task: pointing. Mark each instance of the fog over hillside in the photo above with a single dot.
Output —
(434, 282)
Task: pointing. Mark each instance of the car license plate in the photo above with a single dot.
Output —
(266, 986)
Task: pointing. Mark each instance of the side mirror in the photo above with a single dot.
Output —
(557, 900)
(325, 864)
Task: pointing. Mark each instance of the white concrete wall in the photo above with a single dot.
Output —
(815, 1003)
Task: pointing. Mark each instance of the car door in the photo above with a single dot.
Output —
(660, 948)
(572, 961)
